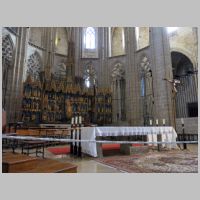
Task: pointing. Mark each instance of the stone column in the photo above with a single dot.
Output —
(161, 68)
(134, 105)
(195, 35)
(119, 99)
(114, 100)
(47, 63)
(14, 111)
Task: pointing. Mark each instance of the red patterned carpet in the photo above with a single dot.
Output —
(174, 161)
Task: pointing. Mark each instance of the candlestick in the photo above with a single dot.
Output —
(150, 122)
(163, 121)
(156, 121)
(80, 120)
(76, 120)
(72, 120)
(182, 121)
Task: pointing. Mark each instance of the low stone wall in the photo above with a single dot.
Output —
(191, 125)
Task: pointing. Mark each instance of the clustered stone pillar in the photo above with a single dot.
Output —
(162, 68)
(119, 100)
(14, 107)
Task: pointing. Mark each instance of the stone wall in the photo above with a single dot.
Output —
(61, 41)
(190, 124)
(43, 40)
(159, 56)
(117, 41)
(35, 36)
(184, 40)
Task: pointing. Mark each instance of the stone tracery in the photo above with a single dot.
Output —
(34, 65)
(147, 89)
(118, 89)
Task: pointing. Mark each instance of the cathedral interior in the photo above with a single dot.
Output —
(107, 76)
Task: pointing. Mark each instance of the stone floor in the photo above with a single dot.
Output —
(88, 164)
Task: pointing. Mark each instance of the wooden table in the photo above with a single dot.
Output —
(13, 162)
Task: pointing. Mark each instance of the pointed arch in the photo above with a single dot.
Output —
(146, 84)
(142, 37)
(187, 95)
(90, 42)
(90, 38)
(118, 90)
(34, 65)
(7, 67)
(7, 49)
(117, 41)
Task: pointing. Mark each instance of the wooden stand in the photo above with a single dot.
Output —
(76, 149)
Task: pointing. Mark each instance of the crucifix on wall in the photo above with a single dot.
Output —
(173, 83)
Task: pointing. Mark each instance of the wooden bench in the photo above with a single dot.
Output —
(19, 163)
(38, 145)
(53, 166)
(13, 162)
(9, 143)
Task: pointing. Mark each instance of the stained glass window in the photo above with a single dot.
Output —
(142, 87)
(89, 38)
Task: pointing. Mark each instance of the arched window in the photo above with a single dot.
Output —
(87, 82)
(116, 41)
(142, 37)
(89, 38)
(147, 95)
(142, 86)
(90, 42)
(118, 89)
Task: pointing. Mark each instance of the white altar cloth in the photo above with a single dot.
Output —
(90, 133)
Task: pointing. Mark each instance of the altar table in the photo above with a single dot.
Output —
(168, 134)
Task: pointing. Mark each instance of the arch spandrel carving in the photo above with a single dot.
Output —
(118, 71)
